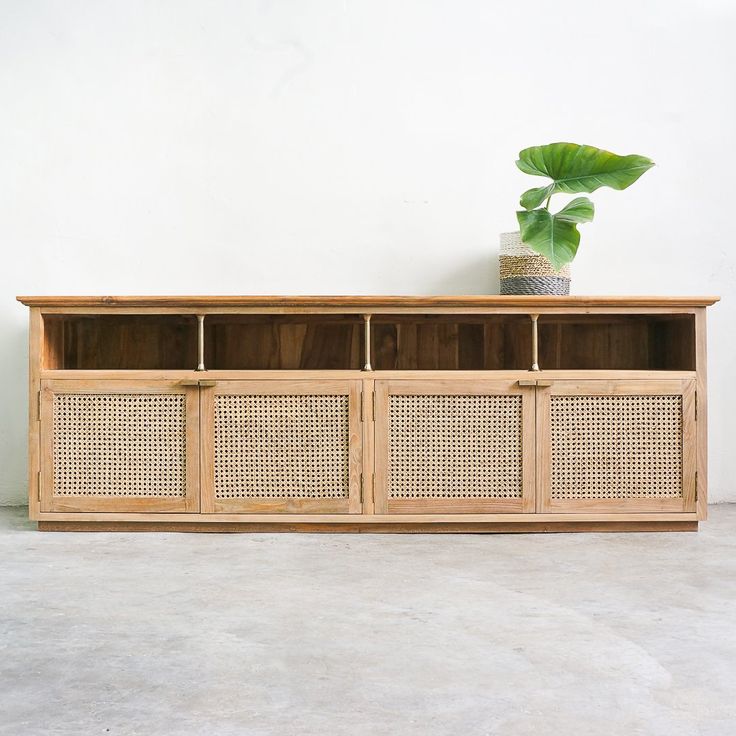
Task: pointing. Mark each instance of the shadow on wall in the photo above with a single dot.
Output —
(13, 412)
(474, 277)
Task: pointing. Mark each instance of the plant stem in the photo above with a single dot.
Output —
(546, 204)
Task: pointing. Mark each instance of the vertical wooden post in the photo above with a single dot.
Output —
(701, 424)
(367, 331)
(535, 342)
(200, 343)
(36, 362)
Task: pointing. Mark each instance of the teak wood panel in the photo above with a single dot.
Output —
(701, 360)
(459, 447)
(255, 429)
(120, 341)
(35, 352)
(617, 342)
(451, 342)
(626, 446)
(100, 441)
(283, 342)
(458, 343)
(402, 341)
(529, 526)
(366, 302)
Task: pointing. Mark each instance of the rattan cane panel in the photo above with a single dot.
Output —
(119, 445)
(455, 446)
(616, 447)
(282, 446)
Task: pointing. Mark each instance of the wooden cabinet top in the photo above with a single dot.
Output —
(369, 303)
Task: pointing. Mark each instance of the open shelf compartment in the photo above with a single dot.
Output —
(482, 342)
(655, 342)
(119, 342)
(283, 342)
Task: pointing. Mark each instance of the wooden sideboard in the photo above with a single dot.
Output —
(368, 413)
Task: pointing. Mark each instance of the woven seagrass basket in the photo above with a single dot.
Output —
(523, 271)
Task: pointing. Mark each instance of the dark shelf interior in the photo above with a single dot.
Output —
(448, 342)
(283, 342)
(617, 342)
(120, 342)
(399, 342)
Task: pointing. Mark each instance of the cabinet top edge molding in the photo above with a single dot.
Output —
(369, 302)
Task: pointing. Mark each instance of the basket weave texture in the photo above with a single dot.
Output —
(303, 445)
(131, 445)
(523, 271)
(455, 447)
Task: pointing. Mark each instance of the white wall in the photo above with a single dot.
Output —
(354, 146)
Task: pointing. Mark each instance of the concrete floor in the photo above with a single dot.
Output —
(292, 634)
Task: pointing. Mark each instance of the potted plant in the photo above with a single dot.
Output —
(536, 259)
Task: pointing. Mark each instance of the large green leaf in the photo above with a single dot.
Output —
(555, 236)
(534, 197)
(580, 209)
(575, 168)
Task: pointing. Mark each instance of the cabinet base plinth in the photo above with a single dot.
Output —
(357, 528)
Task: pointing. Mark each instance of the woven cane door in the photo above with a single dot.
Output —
(452, 447)
(617, 446)
(119, 446)
(281, 446)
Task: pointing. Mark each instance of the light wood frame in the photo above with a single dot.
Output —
(603, 387)
(350, 505)
(365, 510)
(477, 387)
(49, 502)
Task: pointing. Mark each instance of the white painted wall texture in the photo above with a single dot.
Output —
(354, 146)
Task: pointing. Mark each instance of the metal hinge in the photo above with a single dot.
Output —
(362, 407)
(38, 485)
(373, 405)
(696, 485)
(361, 487)
(696, 406)
(38, 415)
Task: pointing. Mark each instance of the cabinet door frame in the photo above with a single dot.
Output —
(611, 387)
(189, 503)
(457, 387)
(271, 387)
